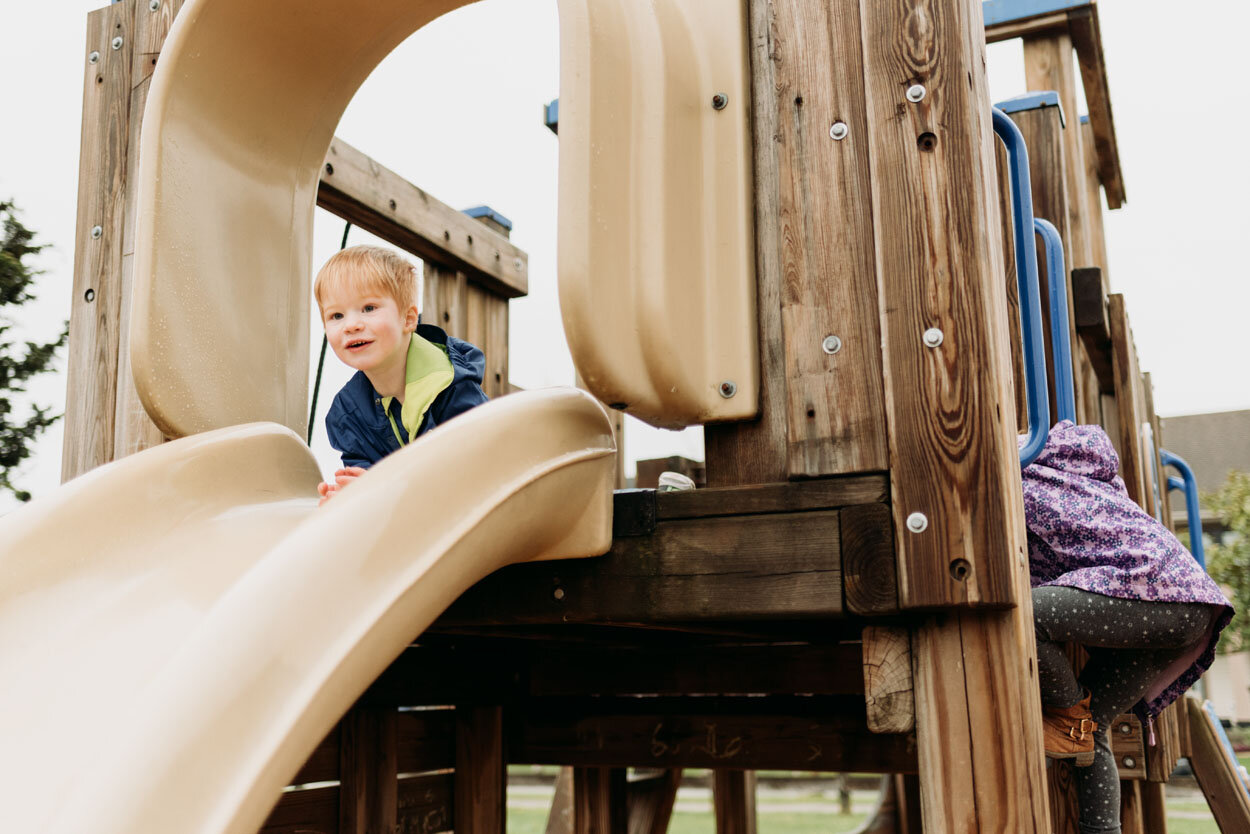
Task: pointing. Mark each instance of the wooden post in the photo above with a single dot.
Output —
(599, 801)
(95, 313)
(481, 778)
(888, 680)
(733, 797)
(1153, 808)
(560, 817)
(650, 800)
(368, 771)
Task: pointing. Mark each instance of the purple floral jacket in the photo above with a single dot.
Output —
(1085, 532)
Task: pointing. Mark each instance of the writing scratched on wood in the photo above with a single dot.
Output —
(714, 745)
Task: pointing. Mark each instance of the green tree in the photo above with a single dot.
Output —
(1229, 561)
(18, 363)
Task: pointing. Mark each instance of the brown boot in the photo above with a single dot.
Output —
(1068, 732)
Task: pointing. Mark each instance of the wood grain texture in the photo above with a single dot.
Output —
(599, 801)
(314, 811)
(1087, 39)
(425, 804)
(426, 739)
(733, 801)
(376, 199)
(1127, 384)
(649, 800)
(481, 778)
(826, 733)
(1064, 813)
(1215, 772)
(1130, 808)
(95, 311)
(1048, 66)
(1128, 746)
(1012, 286)
(869, 571)
(821, 494)
(783, 565)
(368, 771)
(1093, 198)
(755, 451)
(560, 817)
(939, 263)
(888, 688)
(834, 407)
(1154, 814)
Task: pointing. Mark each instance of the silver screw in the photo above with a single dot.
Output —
(917, 522)
(96, 231)
(93, 58)
(117, 42)
(1126, 728)
(518, 263)
(720, 101)
(558, 593)
(915, 93)
(838, 130)
(728, 388)
(831, 344)
(933, 337)
(1130, 762)
(155, 5)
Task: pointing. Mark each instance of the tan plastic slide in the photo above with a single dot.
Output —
(179, 630)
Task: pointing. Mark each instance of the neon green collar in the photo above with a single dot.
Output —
(427, 373)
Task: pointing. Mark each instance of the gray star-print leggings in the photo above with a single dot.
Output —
(1129, 642)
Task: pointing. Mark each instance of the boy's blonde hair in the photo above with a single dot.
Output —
(374, 268)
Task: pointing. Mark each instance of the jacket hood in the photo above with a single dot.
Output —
(1080, 450)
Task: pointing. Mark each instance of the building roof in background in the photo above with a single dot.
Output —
(1212, 444)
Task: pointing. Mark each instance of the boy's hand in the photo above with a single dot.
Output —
(342, 477)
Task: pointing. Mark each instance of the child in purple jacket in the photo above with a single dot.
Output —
(1108, 576)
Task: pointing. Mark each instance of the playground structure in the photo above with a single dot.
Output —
(818, 221)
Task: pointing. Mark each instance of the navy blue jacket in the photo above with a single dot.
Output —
(358, 426)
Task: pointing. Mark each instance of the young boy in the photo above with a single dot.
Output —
(410, 377)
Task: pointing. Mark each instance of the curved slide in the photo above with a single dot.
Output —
(179, 630)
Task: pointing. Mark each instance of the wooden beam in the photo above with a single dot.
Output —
(795, 733)
(649, 800)
(560, 817)
(1130, 808)
(95, 311)
(376, 199)
(599, 804)
(1127, 384)
(481, 778)
(779, 566)
(888, 688)
(869, 570)
(1089, 314)
(368, 771)
(1128, 746)
(820, 494)
(733, 801)
(1216, 771)
(1087, 38)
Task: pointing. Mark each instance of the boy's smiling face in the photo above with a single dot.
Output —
(367, 330)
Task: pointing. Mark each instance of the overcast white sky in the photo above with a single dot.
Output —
(457, 111)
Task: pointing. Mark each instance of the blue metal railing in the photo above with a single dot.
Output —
(1026, 280)
(1189, 485)
(1060, 346)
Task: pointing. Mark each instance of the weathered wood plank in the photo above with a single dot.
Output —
(1048, 66)
(1094, 199)
(869, 571)
(425, 804)
(427, 738)
(1130, 808)
(314, 811)
(91, 360)
(1215, 772)
(888, 689)
(1089, 315)
(560, 817)
(481, 777)
(784, 565)
(772, 498)
(599, 801)
(818, 733)
(1127, 380)
(1128, 746)
(834, 407)
(368, 772)
(1154, 808)
(733, 801)
(1087, 40)
(376, 199)
(1012, 29)
(939, 263)
(754, 452)
(1012, 285)
(1064, 811)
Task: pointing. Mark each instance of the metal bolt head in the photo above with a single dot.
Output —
(838, 130)
(728, 388)
(1126, 728)
(154, 5)
(831, 344)
(93, 57)
(518, 263)
(117, 42)
(1130, 762)
(933, 337)
(720, 101)
(915, 93)
(917, 522)
(96, 232)
(558, 593)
